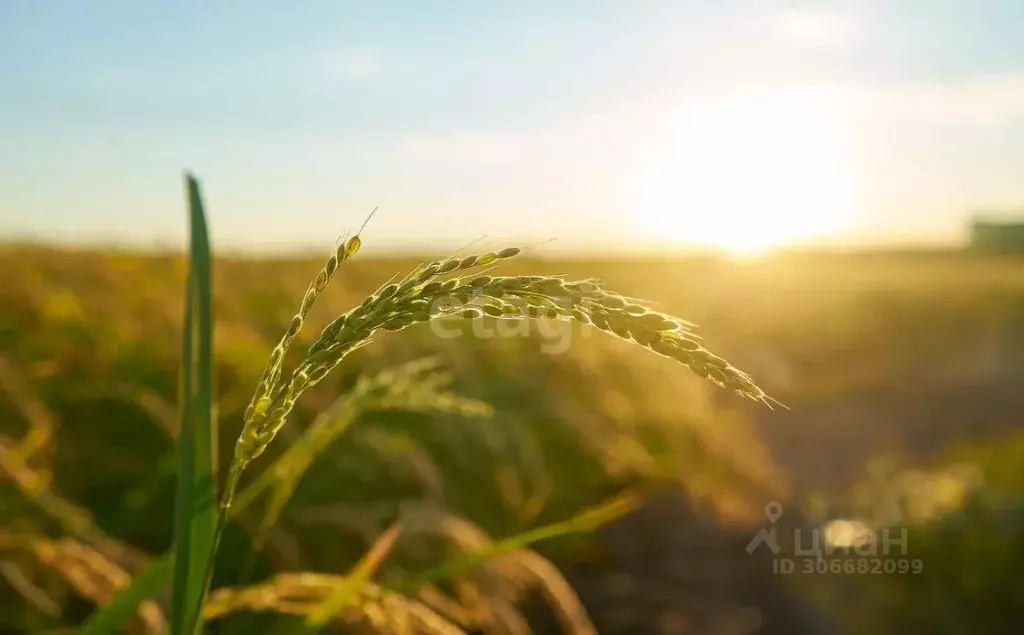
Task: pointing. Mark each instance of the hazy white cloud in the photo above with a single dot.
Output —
(979, 100)
(602, 139)
(818, 27)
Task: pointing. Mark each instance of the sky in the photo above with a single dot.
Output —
(736, 124)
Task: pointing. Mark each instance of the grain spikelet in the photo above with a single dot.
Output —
(376, 610)
(89, 573)
(269, 387)
(440, 290)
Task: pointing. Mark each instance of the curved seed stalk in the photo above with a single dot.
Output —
(375, 609)
(440, 290)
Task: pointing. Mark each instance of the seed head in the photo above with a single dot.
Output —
(486, 259)
(308, 301)
(294, 327)
(613, 302)
(352, 246)
(686, 344)
(332, 265)
(398, 323)
(448, 265)
(657, 322)
(321, 281)
(421, 298)
(429, 272)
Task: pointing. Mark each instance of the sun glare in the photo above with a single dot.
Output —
(746, 175)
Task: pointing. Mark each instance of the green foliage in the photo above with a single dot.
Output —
(196, 509)
(144, 585)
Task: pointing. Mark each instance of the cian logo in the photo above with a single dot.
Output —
(768, 537)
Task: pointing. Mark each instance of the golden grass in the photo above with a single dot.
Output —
(815, 310)
(375, 609)
(86, 570)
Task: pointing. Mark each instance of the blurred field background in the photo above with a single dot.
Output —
(856, 164)
(902, 372)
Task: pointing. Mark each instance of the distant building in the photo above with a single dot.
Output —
(997, 236)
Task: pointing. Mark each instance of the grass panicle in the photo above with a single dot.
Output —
(425, 295)
(88, 572)
(268, 389)
(372, 608)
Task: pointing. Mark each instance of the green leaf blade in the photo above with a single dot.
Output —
(196, 510)
(144, 585)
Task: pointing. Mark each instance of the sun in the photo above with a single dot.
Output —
(746, 174)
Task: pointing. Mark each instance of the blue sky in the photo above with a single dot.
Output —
(597, 123)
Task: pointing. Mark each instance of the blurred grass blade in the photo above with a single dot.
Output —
(108, 619)
(341, 597)
(186, 464)
(585, 521)
(195, 506)
(144, 585)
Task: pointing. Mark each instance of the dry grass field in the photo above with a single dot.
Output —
(888, 362)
